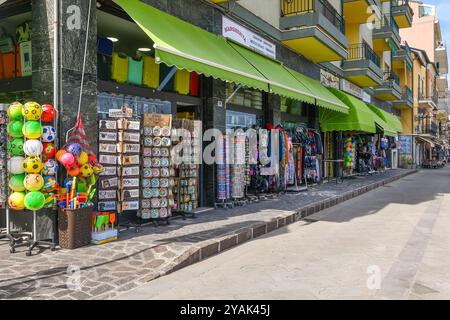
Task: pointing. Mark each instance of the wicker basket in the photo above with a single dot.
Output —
(74, 227)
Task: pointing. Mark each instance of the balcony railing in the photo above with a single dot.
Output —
(390, 78)
(294, 7)
(362, 51)
(388, 22)
(398, 3)
(407, 93)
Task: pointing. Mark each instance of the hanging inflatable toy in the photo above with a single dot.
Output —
(73, 172)
(33, 165)
(48, 113)
(86, 171)
(32, 130)
(74, 148)
(59, 154)
(49, 151)
(33, 148)
(34, 182)
(50, 167)
(15, 147)
(50, 184)
(16, 183)
(32, 111)
(34, 201)
(16, 201)
(15, 165)
(48, 134)
(15, 111)
(67, 160)
(82, 158)
(15, 129)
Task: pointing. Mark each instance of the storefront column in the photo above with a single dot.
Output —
(214, 118)
(272, 109)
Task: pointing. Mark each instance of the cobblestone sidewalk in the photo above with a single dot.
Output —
(103, 272)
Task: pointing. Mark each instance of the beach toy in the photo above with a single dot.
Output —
(74, 148)
(16, 201)
(15, 129)
(32, 130)
(49, 151)
(50, 200)
(15, 165)
(73, 172)
(33, 182)
(48, 113)
(50, 184)
(32, 111)
(16, 183)
(33, 148)
(67, 160)
(86, 171)
(50, 167)
(59, 154)
(15, 147)
(48, 134)
(82, 159)
(15, 111)
(34, 201)
(92, 158)
(33, 165)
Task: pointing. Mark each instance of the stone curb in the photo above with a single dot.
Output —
(213, 247)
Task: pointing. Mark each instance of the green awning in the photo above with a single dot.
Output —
(324, 98)
(392, 121)
(280, 80)
(360, 117)
(181, 44)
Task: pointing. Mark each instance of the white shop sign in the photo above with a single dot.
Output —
(353, 89)
(238, 33)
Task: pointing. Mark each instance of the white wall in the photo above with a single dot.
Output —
(268, 10)
(365, 33)
(387, 59)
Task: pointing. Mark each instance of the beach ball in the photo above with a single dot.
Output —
(16, 183)
(74, 148)
(15, 129)
(59, 154)
(33, 182)
(34, 201)
(33, 148)
(67, 160)
(15, 147)
(48, 113)
(15, 111)
(97, 168)
(32, 130)
(32, 111)
(16, 201)
(33, 165)
(48, 134)
(73, 172)
(49, 151)
(86, 171)
(15, 165)
(50, 167)
(82, 158)
(50, 184)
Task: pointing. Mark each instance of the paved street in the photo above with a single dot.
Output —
(391, 243)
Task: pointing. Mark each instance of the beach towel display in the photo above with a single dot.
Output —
(182, 81)
(194, 84)
(151, 72)
(119, 69)
(105, 46)
(164, 72)
(157, 173)
(104, 67)
(135, 70)
(238, 168)
(223, 170)
(7, 65)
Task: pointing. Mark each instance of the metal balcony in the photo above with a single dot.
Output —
(386, 34)
(406, 101)
(402, 13)
(390, 89)
(362, 66)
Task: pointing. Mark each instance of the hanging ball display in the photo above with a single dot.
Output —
(33, 182)
(48, 113)
(15, 111)
(82, 158)
(15, 147)
(48, 134)
(67, 160)
(49, 151)
(59, 154)
(50, 167)
(73, 172)
(15, 129)
(34, 201)
(16, 201)
(97, 168)
(32, 111)
(16, 183)
(15, 165)
(50, 184)
(33, 148)
(33, 165)
(86, 171)
(32, 130)
(92, 158)
(74, 148)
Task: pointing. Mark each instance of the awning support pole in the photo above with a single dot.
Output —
(232, 95)
(167, 79)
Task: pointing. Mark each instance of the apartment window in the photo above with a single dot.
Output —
(425, 11)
